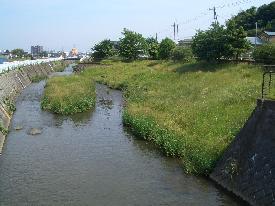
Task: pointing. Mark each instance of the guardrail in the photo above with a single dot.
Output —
(6, 66)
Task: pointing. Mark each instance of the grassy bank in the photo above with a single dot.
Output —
(190, 111)
(69, 94)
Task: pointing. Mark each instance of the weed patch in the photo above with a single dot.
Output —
(69, 95)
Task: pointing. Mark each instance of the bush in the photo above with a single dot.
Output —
(265, 54)
(166, 48)
(183, 54)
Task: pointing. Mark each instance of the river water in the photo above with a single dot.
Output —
(2, 60)
(89, 159)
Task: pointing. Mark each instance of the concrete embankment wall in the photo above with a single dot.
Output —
(11, 85)
(247, 168)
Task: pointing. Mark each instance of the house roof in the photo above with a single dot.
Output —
(270, 33)
(254, 40)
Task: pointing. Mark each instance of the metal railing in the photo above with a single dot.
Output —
(269, 72)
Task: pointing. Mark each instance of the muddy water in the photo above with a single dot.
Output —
(89, 159)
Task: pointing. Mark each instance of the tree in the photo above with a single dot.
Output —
(166, 48)
(220, 42)
(18, 52)
(209, 45)
(103, 49)
(235, 41)
(153, 47)
(132, 46)
(264, 16)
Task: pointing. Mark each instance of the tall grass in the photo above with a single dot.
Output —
(190, 111)
(69, 94)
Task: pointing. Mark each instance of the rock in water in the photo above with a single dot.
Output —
(18, 127)
(35, 131)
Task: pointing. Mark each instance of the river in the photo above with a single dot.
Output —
(90, 159)
(2, 60)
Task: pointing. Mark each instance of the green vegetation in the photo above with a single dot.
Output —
(3, 130)
(18, 52)
(38, 78)
(166, 48)
(132, 46)
(190, 111)
(265, 54)
(182, 54)
(10, 105)
(220, 42)
(69, 94)
(59, 66)
(264, 15)
(103, 49)
(153, 48)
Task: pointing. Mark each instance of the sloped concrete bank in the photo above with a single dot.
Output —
(11, 85)
(247, 168)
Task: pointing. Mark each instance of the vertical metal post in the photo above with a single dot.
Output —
(263, 86)
(256, 34)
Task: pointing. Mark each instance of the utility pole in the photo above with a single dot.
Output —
(215, 14)
(256, 34)
(156, 36)
(176, 29)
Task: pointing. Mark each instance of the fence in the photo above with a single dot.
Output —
(268, 85)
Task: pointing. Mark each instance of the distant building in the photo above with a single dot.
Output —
(36, 50)
(74, 52)
(268, 36)
(185, 42)
(255, 41)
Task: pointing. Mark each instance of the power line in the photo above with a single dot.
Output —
(205, 13)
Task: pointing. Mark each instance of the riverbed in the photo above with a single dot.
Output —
(91, 159)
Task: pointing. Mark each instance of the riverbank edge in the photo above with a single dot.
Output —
(12, 83)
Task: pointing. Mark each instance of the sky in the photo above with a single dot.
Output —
(64, 24)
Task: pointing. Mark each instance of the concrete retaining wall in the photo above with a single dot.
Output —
(11, 85)
(247, 168)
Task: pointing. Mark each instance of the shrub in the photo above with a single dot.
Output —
(265, 54)
(183, 54)
(166, 48)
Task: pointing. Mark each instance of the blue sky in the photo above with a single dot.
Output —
(62, 24)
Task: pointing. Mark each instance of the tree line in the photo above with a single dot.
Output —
(133, 46)
(218, 43)
(264, 16)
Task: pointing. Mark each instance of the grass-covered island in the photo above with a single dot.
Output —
(191, 111)
(69, 94)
